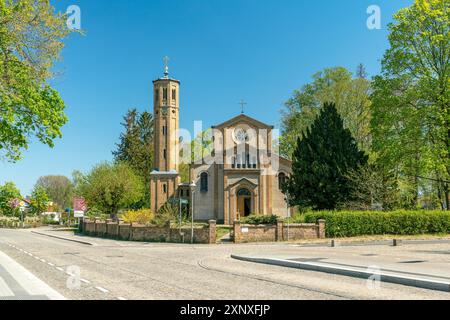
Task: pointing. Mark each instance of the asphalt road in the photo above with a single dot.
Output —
(125, 270)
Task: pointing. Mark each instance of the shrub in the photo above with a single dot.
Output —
(260, 219)
(142, 216)
(354, 223)
(168, 212)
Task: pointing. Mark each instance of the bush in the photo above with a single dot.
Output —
(354, 223)
(260, 219)
(142, 216)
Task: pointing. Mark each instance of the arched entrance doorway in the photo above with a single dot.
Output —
(244, 202)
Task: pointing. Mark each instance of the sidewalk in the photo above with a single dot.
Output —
(424, 265)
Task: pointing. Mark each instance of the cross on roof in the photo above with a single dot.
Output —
(243, 104)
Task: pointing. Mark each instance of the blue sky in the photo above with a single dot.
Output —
(221, 50)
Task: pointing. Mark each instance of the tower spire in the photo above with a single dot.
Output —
(166, 60)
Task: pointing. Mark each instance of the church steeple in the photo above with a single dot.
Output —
(166, 110)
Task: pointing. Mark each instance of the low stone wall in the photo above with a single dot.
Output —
(135, 232)
(280, 232)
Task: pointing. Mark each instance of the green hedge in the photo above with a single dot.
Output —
(260, 219)
(351, 223)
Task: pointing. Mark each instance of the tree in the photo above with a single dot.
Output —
(111, 187)
(39, 201)
(351, 96)
(58, 188)
(136, 147)
(31, 37)
(415, 83)
(372, 189)
(321, 161)
(8, 193)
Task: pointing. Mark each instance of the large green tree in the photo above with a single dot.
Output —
(39, 201)
(136, 146)
(411, 99)
(58, 188)
(31, 35)
(8, 193)
(324, 156)
(110, 187)
(351, 95)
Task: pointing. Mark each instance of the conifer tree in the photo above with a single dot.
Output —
(136, 146)
(321, 161)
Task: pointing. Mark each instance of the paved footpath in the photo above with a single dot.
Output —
(419, 264)
(114, 270)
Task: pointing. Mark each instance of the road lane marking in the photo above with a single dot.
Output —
(60, 269)
(85, 281)
(102, 289)
(23, 283)
(5, 290)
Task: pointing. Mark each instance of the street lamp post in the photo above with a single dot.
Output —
(288, 215)
(192, 187)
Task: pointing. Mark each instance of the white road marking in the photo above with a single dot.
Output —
(5, 291)
(102, 289)
(85, 281)
(28, 281)
(42, 260)
(60, 269)
(50, 264)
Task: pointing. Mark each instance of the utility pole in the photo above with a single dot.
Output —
(192, 187)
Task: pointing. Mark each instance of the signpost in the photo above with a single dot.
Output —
(79, 208)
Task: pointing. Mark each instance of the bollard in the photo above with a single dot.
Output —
(334, 243)
(397, 242)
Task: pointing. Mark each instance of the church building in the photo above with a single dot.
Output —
(242, 175)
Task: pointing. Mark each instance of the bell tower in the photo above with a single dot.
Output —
(166, 110)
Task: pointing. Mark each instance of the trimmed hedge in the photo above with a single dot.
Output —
(353, 223)
(260, 219)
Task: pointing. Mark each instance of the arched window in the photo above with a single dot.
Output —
(244, 193)
(204, 182)
(281, 180)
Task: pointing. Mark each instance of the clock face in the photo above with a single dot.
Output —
(240, 135)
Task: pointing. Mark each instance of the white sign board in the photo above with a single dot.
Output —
(244, 230)
(78, 214)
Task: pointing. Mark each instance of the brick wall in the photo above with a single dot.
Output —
(134, 232)
(243, 233)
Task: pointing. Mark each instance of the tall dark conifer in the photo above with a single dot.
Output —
(136, 146)
(321, 161)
